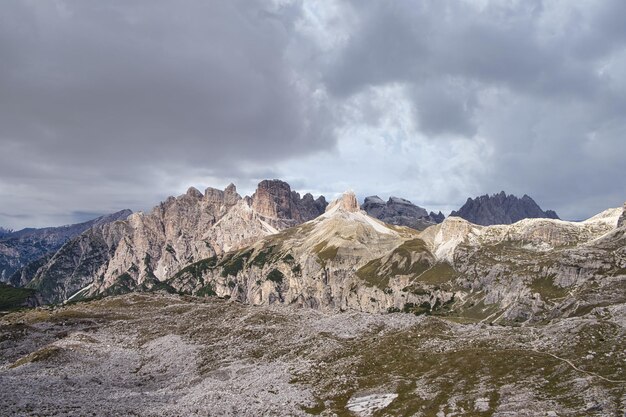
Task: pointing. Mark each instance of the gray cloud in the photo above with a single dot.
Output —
(107, 105)
(535, 83)
(114, 92)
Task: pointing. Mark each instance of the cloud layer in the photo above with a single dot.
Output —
(107, 105)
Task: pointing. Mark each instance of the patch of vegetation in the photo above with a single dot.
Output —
(547, 289)
(123, 285)
(292, 232)
(369, 273)
(316, 409)
(440, 273)
(325, 253)
(478, 311)
(414, 289)
(418, 310)
(617, 272)
(38, 356)
(288, 259)
(296, 269)
(153, 284)
(197, 269)
(378, 272)
(264, 256)
(233, 264)
(276, 276)
(206, 291)
(12, 297)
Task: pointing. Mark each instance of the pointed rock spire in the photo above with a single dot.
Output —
(347, 202)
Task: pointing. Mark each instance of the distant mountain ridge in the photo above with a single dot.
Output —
(487, 210)
(19, 248)
(400, 212)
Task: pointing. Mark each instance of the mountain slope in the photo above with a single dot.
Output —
(531, 270)
(501, 209)
(324, 263)
(17, 249)
(146, 249)
(535, 268)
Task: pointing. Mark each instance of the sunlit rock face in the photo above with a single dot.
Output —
(148, 248)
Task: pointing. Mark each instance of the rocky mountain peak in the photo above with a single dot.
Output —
(194, 192)
(399, 200)
(347, 202)
(228, 197)
(501, 209)
(400, 211)
(274, 199)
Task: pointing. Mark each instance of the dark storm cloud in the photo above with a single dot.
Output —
(113, 91)
(112, 104)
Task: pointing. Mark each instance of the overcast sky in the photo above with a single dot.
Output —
(115, 104)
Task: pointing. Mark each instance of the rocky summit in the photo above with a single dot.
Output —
(274, 199)
(401, 212)
(501, 209)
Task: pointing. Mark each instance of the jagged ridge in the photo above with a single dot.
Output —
(501, 208)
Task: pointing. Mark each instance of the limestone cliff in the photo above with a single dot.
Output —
(531, 270)
(274, 199)
(147, 248)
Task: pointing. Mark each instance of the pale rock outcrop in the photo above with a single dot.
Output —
(274, 199)
(314, 264)
(347, 202)
(529, 271)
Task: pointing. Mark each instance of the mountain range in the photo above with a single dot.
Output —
(20, 248)
(277, 246)
(501, 208)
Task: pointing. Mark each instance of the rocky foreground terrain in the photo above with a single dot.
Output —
(155, 354)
